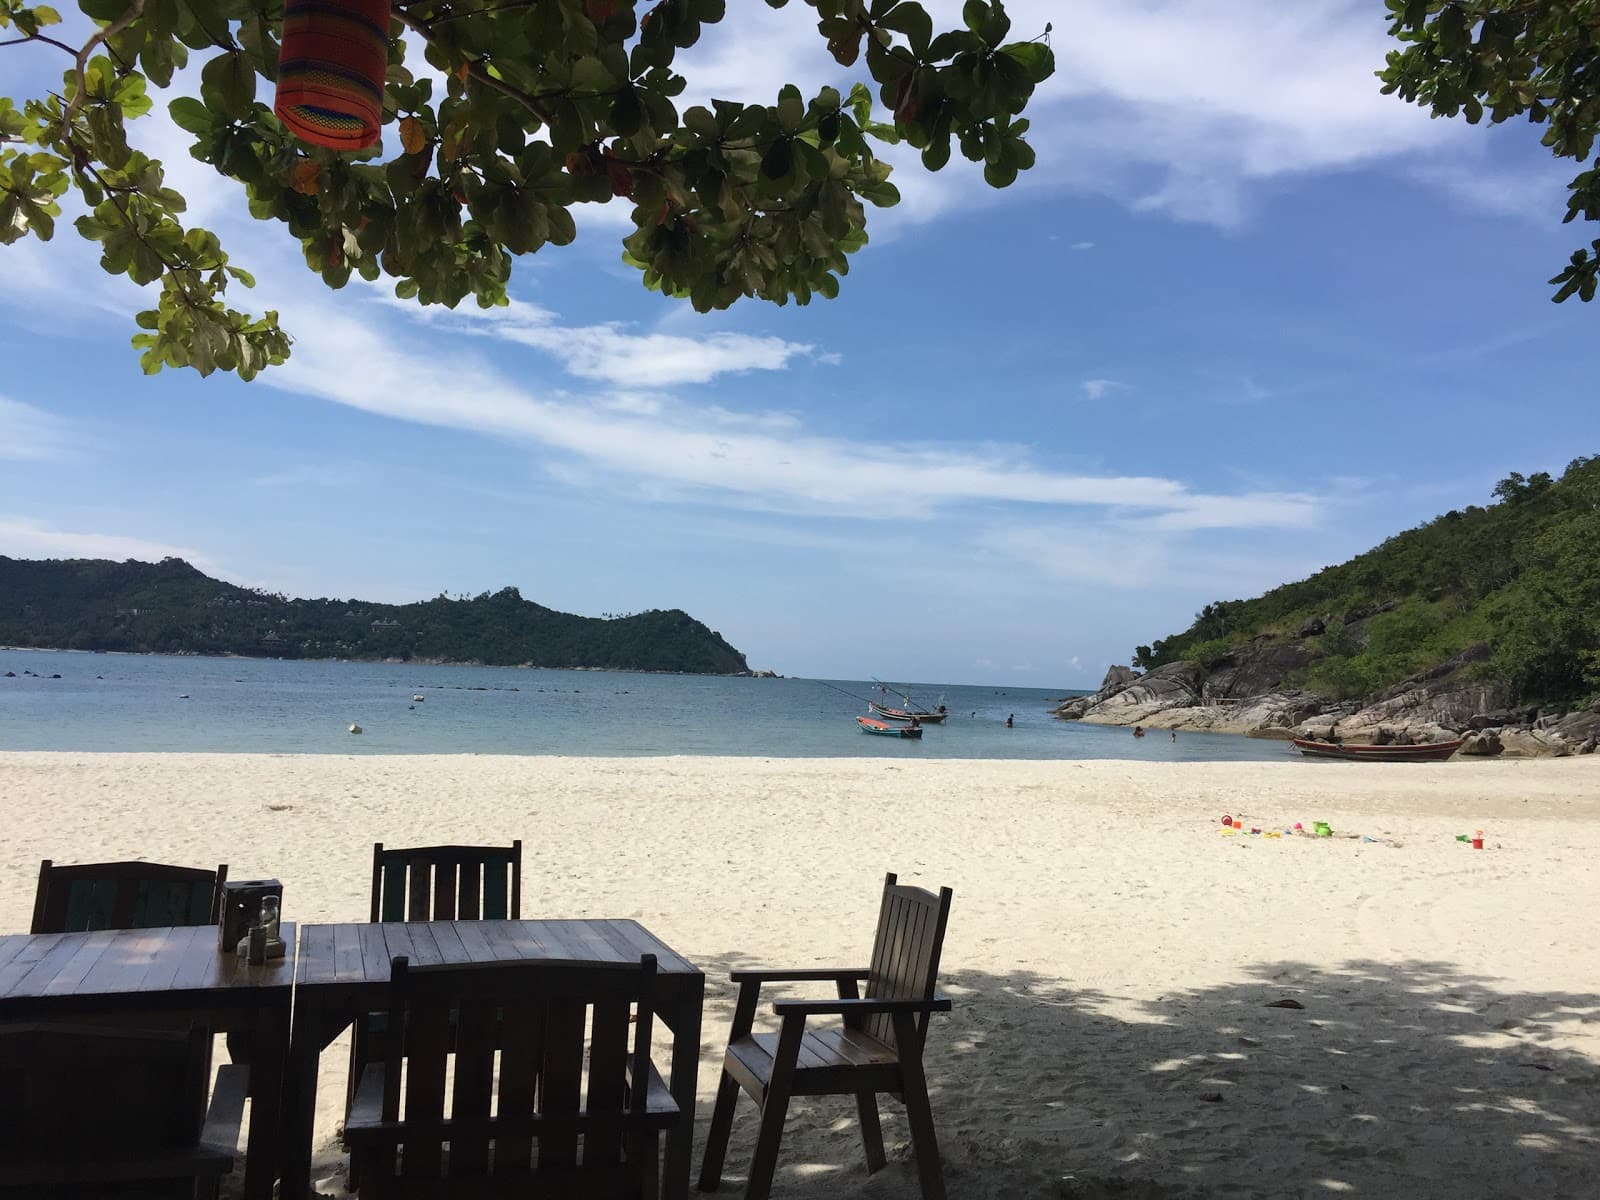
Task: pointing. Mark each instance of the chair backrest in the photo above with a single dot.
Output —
(447, 883)
(539, 1016)
(125, 895)
(93, 1090)
(905, 954)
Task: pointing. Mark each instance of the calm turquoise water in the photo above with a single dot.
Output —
(134, 702)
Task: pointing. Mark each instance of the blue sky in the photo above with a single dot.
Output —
(1247, 318)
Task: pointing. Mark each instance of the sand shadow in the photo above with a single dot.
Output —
(1412, 1079)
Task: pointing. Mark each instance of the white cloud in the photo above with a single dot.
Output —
(1096, 389)
(24, 537)
(29, 434)
(610, 354)
(1083, 245)
(763, 460)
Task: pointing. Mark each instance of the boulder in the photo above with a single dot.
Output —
(1533, 743)
(1117, 678)
(1313, 627)
(1165, 687)
(1485, 744)
(1577, 728)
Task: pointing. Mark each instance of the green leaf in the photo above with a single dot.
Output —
(791, 109)
(190, 114)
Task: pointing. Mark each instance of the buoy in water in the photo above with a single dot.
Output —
(355, 728)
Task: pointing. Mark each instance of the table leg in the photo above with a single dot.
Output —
(685, 1085)
(268, 1042)
(300, 1096)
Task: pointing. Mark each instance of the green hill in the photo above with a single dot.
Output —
(1520, 576)
(171, 608)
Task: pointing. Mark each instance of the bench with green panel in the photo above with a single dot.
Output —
(125, 895)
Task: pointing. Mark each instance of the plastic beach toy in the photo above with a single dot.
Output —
(1321, 829)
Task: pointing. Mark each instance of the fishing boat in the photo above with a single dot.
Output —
(1431, 752)
(884, 729)
(906, 714)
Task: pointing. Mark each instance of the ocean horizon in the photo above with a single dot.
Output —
(72, 700)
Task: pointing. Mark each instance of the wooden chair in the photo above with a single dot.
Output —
(515, 1131)
(90, 1111)
(878, 1048)
(125, 895)
(433, 883)
(447, 883)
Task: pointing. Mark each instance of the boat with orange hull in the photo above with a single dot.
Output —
(884, 729)
(1430, 752)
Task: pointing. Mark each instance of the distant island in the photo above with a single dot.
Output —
(1482, 624)
(170, 607)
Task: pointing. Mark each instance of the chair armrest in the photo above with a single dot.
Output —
(226, 1114)
(798, 974)
(366, 1108)
(818, 1008)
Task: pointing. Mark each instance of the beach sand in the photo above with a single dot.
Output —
(1111, 953)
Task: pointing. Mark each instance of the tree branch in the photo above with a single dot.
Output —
(474, 68)
(135, 10)
(39, 37)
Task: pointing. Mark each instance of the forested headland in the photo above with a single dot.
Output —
(170, 607)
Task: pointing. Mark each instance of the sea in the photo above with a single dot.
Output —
(80, 701)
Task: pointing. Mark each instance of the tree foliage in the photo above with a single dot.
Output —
(171, 608)
(1521, 576)
(520, 110)
(1512, 58)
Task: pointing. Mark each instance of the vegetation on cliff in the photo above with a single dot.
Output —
(170, 607)
(1521, 576)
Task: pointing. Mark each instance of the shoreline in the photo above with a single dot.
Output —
(1113, 956)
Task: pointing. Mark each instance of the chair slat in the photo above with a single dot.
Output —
(394, 890)
(521, 1056)
(444, 892)
(427, 1044)
(561, 1080)
(496, 905)
(419, 908)
(471, 881)
(477, 1033)
(608, 1067)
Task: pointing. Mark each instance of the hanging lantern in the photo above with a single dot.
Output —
(331, 69)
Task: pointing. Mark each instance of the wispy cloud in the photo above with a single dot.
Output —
(610, 353)
(754, 459)
(1083, 245)
(1096, 389)
(24, 537)
(29, 434)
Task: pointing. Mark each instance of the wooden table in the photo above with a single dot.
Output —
(134, 972)
(342, 973)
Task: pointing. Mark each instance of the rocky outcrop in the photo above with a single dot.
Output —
(1437, 705)
(1245, 693)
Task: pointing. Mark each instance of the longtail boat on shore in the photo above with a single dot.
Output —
(906, 714)
(884, 729)
(1431, 752)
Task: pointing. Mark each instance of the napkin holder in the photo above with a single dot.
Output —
(241, 908)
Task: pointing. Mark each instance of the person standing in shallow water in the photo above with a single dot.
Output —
(1010, 720)
(1174, 735)
(1138, 731)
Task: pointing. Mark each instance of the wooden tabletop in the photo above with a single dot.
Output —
(39, 971)
(361, 953)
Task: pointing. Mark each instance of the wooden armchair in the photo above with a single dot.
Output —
(91, 1111)
(125, 895)
(878, 1048)
(515, 1131)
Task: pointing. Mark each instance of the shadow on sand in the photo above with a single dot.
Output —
(1393, 1080)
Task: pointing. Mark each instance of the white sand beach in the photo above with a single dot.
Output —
(1111, 953)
